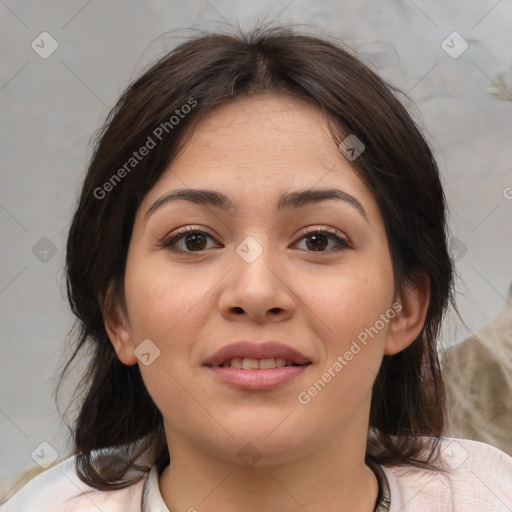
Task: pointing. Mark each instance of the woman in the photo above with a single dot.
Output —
(258, 261)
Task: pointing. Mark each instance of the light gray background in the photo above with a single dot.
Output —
(51, 107)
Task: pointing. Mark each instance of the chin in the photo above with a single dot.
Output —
(264, 440)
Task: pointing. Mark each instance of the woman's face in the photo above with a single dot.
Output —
(282, 264)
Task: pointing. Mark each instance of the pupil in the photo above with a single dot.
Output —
(319, 241)
(197, 242)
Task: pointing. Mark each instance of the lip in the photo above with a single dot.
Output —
(258, 380)
(263, 350)
(255, 380)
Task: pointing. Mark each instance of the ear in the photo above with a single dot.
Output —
(410, 319)
(117, 327)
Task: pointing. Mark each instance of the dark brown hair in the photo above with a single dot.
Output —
(116, 413)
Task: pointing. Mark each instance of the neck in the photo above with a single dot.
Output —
(332, 478)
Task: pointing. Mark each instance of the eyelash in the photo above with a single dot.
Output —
(182, 232)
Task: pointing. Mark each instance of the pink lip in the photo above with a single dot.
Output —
(264, 350)
(257, 379)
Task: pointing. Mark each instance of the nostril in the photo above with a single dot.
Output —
(238, 310)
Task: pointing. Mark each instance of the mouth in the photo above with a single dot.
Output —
(249, 363)
(251, 366)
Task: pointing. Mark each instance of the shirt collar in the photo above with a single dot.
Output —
(152, 500)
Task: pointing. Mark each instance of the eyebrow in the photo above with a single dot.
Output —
(287, 201)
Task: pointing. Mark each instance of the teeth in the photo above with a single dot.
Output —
(249, 363)
(267, 363)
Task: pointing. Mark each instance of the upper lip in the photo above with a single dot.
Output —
(262, 350)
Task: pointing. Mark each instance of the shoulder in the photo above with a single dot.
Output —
(477, 477)
(59, 489)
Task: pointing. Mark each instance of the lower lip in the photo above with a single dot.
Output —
(258, 379)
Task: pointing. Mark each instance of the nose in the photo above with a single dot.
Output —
(257, 289)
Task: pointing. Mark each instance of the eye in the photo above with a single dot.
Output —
(189, 239)
(318, 239)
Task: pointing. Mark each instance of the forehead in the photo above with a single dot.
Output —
(266, 125)
(261, 146)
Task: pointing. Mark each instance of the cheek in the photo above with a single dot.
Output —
(163, 302)
(352, 315)
(343, 381)
(350, 299)
(168, 307)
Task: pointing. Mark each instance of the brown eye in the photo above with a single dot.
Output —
(318, 241)
(188, 240)
(195, 242)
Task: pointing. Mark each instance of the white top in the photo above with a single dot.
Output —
(479, 479)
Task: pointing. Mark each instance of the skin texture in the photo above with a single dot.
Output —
(191, 304)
